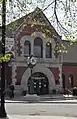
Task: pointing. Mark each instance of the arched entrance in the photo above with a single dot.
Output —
(38, 84)
(41, 69)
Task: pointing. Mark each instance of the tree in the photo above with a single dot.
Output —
(17, 8)
(3, 59)
(61, 13)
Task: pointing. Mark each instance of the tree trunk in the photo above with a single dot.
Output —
(2, 107)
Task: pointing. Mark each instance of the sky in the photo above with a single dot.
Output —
(49, 13)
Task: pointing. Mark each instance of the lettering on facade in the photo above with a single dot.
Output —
(38, 78)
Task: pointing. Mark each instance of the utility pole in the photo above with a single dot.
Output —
(2, 107)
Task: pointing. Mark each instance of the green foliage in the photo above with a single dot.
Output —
(5, 58)
(59, 48)
(72, 39)
(18, 8)
(2, 1)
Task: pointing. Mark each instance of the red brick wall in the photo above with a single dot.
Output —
(28, 30)
(19, 73)
(70, 70)
(21, 70)
(55, 72)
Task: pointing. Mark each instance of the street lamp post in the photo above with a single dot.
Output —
(31, 62)
(61, 54)
(2, 107)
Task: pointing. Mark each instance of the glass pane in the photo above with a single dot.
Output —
(37, 51)
(48, 52)
(26, 50)
(38, 47)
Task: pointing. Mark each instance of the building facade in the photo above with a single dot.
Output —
(34, 35)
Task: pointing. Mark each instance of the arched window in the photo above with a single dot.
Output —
(70, 80)
(38, 47)
(48, 50)
(27, 48)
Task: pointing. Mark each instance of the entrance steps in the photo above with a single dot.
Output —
(51, 97)
(45, 97)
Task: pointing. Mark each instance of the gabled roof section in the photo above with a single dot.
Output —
(35, 17)
(13, 26)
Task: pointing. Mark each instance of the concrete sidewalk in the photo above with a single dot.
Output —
(39, 117)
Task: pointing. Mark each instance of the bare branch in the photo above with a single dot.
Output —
(48, 6)
(58, 22)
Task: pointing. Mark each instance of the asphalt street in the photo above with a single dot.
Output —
(41, 109)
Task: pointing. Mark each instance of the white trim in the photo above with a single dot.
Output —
(14, 73)
(22, 41)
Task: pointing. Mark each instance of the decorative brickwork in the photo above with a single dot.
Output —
(14, 73)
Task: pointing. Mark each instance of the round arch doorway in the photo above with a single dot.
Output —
(38, 84)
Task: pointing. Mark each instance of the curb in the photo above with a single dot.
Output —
(53, 102)
(39, 117)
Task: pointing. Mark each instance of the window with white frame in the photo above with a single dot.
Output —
(38, 47)
(27, 48)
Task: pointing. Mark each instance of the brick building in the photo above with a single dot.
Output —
(33, 34)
